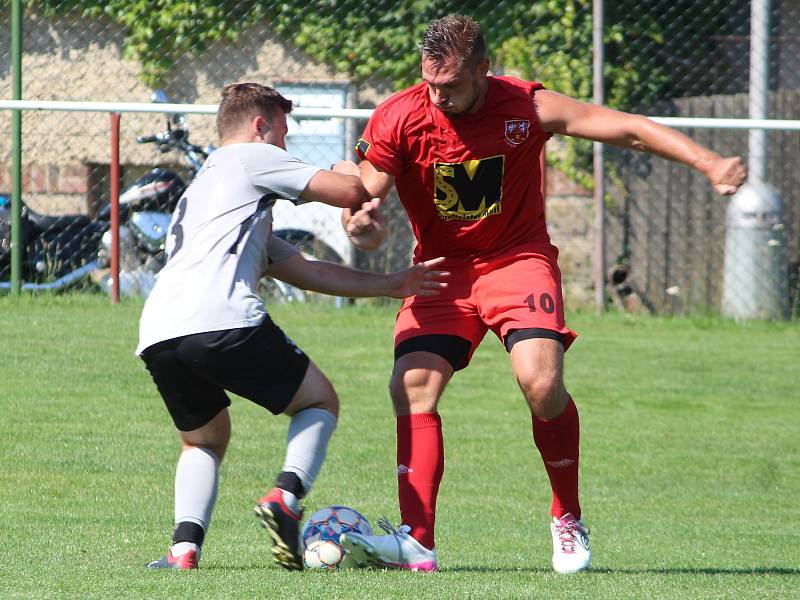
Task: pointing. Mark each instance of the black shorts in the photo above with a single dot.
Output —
(192, 372)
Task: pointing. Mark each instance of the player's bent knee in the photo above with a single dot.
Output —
(215, 451)
(416, 390)
(539, 387)
(314, 392)
(545, 393)
(214, 435)
(329, 403)
(326, 401)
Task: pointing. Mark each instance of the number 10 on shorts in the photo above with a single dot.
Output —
(544, 302)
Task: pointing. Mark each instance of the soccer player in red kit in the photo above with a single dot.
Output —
(463, 150)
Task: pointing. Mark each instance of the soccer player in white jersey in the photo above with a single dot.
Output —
(205, 331)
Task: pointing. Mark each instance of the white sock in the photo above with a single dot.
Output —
(307, 443)
(196, 486)
(291, 501)
(182, 548)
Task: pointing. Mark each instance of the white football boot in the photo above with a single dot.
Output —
(571, 552)
(396, 550)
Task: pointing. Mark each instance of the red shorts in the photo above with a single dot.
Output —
(516, 291)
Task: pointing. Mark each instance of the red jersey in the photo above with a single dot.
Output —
(471, 185)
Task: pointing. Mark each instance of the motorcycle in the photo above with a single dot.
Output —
(146, 209)
(56, 250)
(59, 251)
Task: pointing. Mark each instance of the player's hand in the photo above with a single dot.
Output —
(423, 279)
(726, 174)
(366, 227)
(346, 167)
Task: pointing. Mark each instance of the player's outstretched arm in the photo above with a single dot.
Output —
(561, 114)
(422, 279)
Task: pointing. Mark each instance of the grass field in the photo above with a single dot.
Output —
(690, 463)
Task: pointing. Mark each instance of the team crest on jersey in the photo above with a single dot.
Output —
(469, 190)
(517, 130)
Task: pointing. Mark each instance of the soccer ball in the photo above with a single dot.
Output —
(321, 536)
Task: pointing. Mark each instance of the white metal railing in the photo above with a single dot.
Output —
(204, 109)
(718, 123)
(364, 113)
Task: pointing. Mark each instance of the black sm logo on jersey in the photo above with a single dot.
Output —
(469, 190)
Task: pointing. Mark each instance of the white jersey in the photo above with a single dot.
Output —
(220, 243)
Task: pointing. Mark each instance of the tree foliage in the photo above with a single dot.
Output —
(159, 33)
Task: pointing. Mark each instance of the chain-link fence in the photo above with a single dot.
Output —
(664, 225)
(667, 237)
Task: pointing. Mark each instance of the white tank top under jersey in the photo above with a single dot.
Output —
(220, 242)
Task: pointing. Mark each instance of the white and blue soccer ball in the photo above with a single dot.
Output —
(321, 547)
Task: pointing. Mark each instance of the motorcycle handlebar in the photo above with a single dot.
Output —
(176, 139)
(172, 136)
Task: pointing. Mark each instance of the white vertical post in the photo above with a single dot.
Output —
(759, 87)
(598, 165)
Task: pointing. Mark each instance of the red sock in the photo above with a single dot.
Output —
(557, 440)
(420, 466)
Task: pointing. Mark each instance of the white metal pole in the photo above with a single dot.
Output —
(208, 109)
(759, 87)
(599, 167)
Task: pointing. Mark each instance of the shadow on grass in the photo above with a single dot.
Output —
(705, 571)
(634, 571)
(545, 570)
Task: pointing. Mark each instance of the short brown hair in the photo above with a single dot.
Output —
(456, 36)
(244, 101)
